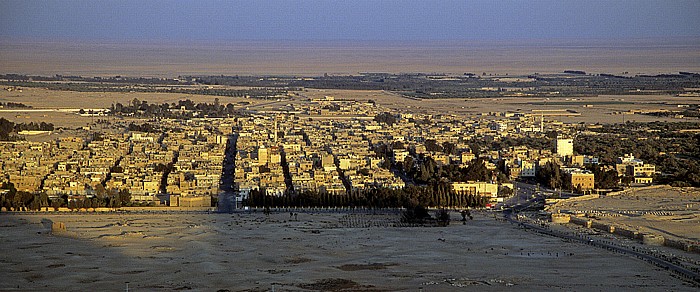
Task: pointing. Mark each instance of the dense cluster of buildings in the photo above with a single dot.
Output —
(178, 167)
(309, 147)
(323, 145)
(630, 166)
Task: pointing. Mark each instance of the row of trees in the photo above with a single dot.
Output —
(7, 128)
(145, 127)
(686, 113)
(21, 199)
(173, 110)
(437, 196)
(386, 118)
(412, 85)
(14, 105)
(425, 170)
(117, 84)
(99, 80)
(446, 147)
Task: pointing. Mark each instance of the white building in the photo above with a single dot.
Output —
(528, 168)
(565, 147)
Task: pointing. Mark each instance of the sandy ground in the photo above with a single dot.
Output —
(316, 58)
(249, 252)
(666, 211)
(602, 109)
(599, 109)
(43, 98)
(40, 98)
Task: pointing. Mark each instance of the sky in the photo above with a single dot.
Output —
(347, 20)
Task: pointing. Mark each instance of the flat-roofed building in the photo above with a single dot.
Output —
(564, 147)
(578, 178)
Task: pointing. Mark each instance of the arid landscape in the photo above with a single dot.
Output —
(294, 145)
(599, 109)
(317, 251)
(339, 57)
(69, 102)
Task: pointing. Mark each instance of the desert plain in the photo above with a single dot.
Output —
(171, 59)
(311, 252)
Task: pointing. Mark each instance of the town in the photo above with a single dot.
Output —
(313, 146)
(342, 146)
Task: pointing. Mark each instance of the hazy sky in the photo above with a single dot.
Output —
(347, 20)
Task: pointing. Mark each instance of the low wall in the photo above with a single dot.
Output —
(581, 198)
(646, 238)
(693, 248)
(653, 239)
(560, 202)
(602, 226)
(561, 218)
(104, 210)
(581, 221)
(621, 231)
(166, 209)
(675, 243)
(631, 190)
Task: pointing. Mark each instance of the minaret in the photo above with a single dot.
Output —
(541, 123)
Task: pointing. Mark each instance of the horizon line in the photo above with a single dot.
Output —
(193, 41)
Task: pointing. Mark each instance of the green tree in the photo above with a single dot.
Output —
(124, 197)
(135, 103)
(449, 148)
(477, 171)
(432, 146)
(549, 175)
(408, 164)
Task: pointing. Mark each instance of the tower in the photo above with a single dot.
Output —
(541, 123)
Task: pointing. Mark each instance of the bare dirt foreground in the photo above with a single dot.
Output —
(252, 252)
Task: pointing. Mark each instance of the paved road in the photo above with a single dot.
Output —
(227, 197)
(525, 195)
